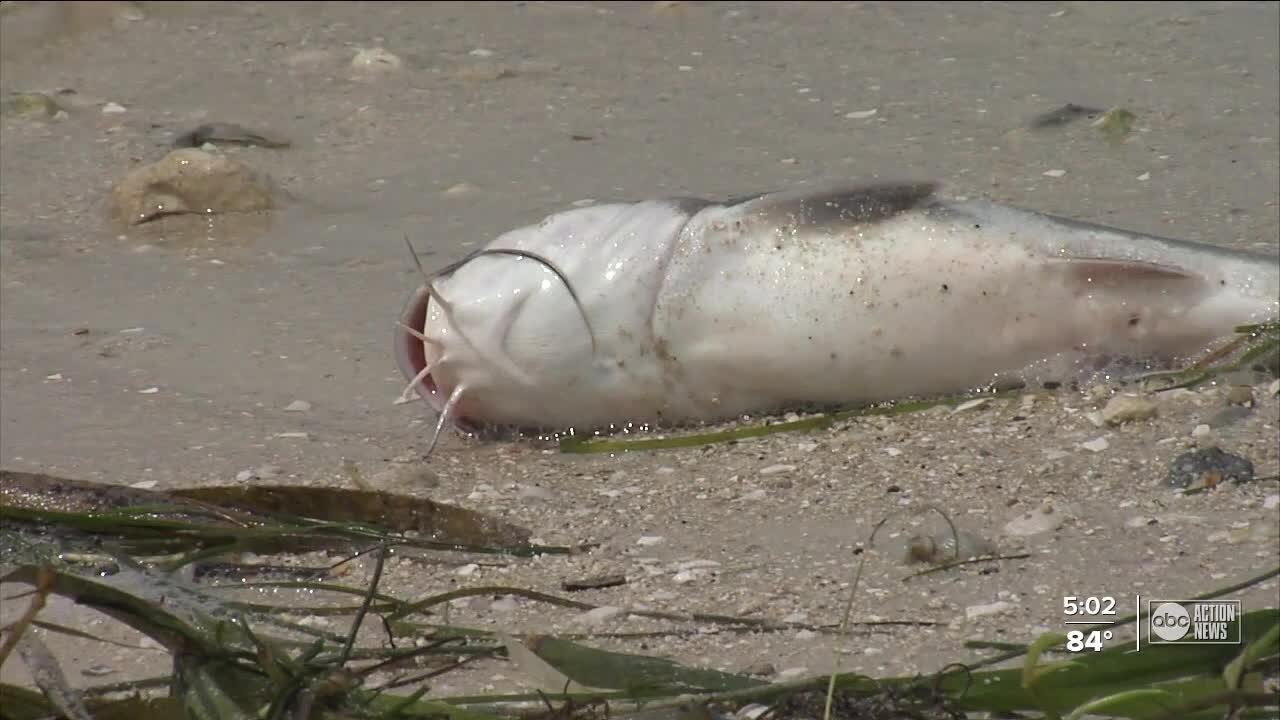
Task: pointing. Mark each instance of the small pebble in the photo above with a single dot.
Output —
(794, 672)
(600, 615)
(861, 114)
(1128, 408)
(1054, 173)
(1096, 445)
(1144, 176)
(1201, 430)
(593, 583)
(650, 540)
(1183, 395)
(893, 452)
(684, 577)
(1275, 387)
(294, 435)
(461, 188)
(376, 59)
(244, 476)
(996, 608)
(467, 570)
(113, 109)
(1240, 395)
(1271, 502)
(144, 484)
(481, 52)
(298, 406)
(754, 710)
(149, 391)
(1043, 519)
(776, 469)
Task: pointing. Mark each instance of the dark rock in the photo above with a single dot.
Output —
(1063, 115)
(227, 134)
(596, 583)
(1207, 468)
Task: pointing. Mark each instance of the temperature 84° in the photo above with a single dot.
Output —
(1079, 640)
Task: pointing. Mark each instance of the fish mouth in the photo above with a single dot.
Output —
(410, 352)
(411, 357)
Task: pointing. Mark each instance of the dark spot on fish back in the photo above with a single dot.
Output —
(688, 205)
(835, 205)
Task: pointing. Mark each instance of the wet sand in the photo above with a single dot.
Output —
(168, 352)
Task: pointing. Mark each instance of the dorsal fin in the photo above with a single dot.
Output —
(835, 203)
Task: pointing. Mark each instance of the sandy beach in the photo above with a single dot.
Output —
(256, 347)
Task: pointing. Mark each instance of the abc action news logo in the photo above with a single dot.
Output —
(1194, 622)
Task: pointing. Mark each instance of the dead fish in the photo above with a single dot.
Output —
(681, 310)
